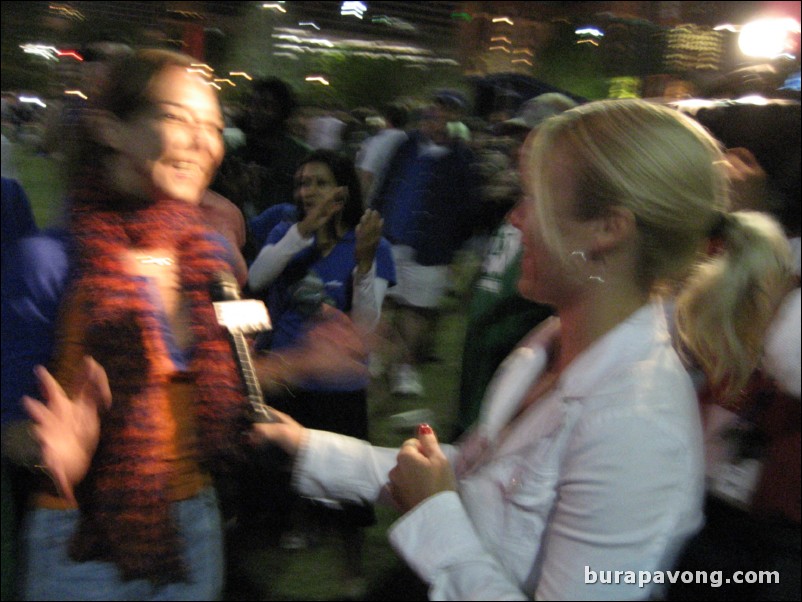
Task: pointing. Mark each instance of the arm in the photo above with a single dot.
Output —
(628, 490)
(273, 258)
(333, 347)
(369, 290)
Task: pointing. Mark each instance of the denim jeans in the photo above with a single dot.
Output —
(50, 574)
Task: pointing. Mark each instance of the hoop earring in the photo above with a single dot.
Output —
(597, 278)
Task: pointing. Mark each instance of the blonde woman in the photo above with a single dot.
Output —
(584, 474)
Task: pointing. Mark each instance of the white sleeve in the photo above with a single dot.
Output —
(439, 542)
(272, 259)
(604, 518)
(344, 468)
(368, 297)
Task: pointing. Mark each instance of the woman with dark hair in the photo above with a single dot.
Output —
(124, 506)
(333, 255)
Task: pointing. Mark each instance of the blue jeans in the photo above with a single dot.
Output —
(50, 574)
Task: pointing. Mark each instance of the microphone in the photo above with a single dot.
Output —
(240, 317)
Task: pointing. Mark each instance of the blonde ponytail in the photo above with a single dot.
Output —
(726, 306)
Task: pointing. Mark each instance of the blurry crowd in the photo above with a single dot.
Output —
(621, 433)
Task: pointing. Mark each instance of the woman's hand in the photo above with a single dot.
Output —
(368, 235)
(422, 470)
(285, 432)
(322, 212)
(333, 348)
(68, 430)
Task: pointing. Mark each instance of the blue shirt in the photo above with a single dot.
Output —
(289, 313)
(35, 275)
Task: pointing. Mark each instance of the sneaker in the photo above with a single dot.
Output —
(406, 381)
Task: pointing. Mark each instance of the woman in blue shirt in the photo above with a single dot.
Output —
(334, 254)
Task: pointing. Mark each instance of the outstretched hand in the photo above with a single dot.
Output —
(68, 430)
(421, 471)
(333, 348)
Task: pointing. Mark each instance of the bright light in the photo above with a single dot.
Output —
(77, 93)
(505, 49)
(353, 9)
(275, 6)
(48, 52)
(71, 53)
(225, 81)
(767, 38)
(726, 27)
(590, 31)
(33, 100)
(317, 78)
(308, 24)
(240, 74)
(501, 39)
(753, 99)
(521, 61)
(506, 20)
(202, 66)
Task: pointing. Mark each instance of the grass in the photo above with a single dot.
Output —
(39, 176)
(258, 568)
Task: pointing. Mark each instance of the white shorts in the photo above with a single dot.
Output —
(417, 285)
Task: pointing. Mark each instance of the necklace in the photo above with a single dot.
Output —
(160, 261)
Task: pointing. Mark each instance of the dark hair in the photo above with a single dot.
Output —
(396, 115)
(342, 167)
(280, 91)
(124, 93)
(128, 85)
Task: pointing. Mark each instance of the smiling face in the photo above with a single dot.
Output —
(174, 146)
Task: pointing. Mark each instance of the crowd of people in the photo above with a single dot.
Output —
(633, 346)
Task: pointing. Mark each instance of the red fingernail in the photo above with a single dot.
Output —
(425, 429)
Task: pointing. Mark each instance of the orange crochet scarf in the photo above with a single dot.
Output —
(125, 513)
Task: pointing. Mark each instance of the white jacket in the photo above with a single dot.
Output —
(604, 473)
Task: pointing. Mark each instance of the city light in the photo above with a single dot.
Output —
(275, 6)
(47, 52)
(77, 93)
(70, 53)
(590, 31)
(506, 20)
(240, 74)
(767, 38)
(33, 100)
(317, 79)
(353, 9)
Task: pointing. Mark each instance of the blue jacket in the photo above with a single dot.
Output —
(449, 202)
